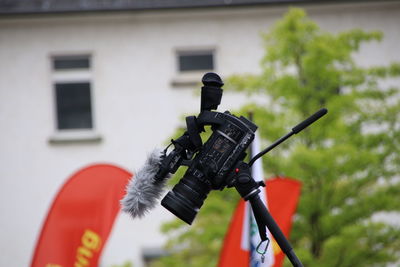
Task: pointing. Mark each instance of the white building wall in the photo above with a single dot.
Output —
(135, 106)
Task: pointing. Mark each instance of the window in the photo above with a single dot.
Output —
(74, 108)
(71, 62)
(72, 85)
(150, 255)
(196, 61)
(72, 92)
(191, 64)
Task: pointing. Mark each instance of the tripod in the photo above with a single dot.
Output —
(248, 188)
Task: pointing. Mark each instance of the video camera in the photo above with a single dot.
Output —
(209, 164)
(218, 163)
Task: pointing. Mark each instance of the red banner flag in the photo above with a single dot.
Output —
(81, 218)
(282, 195)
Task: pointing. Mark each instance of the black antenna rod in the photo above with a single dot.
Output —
(295, 130)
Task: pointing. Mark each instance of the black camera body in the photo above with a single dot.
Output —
(212, 162)
(211, 165)
(223, 149)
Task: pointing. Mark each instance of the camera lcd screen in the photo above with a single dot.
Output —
(222, 144)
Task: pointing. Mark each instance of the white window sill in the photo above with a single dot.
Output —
(75, 136)
(188, 79)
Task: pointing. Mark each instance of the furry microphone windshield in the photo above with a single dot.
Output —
(143, 189)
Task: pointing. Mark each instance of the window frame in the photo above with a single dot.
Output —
(73, 75)
(197, 52)
(62, 122)
(70, 58)
(191, 78)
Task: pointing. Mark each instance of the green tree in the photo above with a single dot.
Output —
(348, 162)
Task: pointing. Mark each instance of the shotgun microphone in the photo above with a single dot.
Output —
(144, 190)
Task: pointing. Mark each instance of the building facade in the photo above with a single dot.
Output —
(135, 70)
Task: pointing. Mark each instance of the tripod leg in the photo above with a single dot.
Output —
(248, 189)
(263, 214)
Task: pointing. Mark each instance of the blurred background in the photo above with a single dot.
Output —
(88, 81)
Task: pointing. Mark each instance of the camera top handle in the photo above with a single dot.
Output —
(211, 92)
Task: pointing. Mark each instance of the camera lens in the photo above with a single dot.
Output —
(186, 198)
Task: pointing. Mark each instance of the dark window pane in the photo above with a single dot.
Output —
(190, 62)
(63, 63)
(74, 108)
